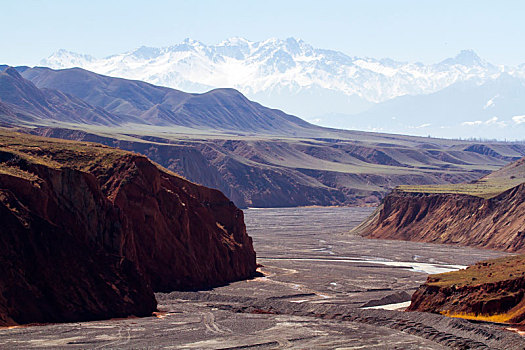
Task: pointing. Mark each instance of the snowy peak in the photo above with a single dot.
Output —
(463, 94)
(467, 58)
(63, 58)
(276, 70)
(236, 41)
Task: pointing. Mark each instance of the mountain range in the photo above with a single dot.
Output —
(331, 88)
(256, 155)
(82, 97)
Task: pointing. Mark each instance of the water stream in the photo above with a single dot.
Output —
(428, 268)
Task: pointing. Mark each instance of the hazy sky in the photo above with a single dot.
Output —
(408, 30)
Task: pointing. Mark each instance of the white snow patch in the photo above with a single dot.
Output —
(396, 306)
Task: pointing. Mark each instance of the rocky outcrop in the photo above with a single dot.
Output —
(491, 290)
(495, 223)
(89, 232)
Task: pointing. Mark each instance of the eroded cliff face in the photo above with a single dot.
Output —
(181, 235)
(491, 290)
(59, 258)
(89, 232)
(495, 223)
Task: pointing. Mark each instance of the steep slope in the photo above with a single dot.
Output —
(184, 236)
(220, 109)
(59, 247)
(491, 290)
(51, 275)
(488, 213)
(513, 172)
(7, 116)
(32, 104)
(91, 230)
(496, 223)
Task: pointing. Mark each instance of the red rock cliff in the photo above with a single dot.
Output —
(89, 231)
(496, 223)
(492, 290)
(181, 235)
(57, 262)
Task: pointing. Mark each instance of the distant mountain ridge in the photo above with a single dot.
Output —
(273, 64)
(330, 88)
(493, 109)
(24, 101)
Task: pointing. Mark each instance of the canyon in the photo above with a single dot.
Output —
(159, 232)
(319, 287)
(363, 188)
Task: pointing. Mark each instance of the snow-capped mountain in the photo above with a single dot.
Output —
(290, 74)
(273, 65)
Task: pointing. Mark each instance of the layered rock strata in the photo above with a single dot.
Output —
(495, 223)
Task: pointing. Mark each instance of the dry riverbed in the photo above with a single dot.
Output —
(319, 287)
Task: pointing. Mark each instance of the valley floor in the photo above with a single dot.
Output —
(315, 281)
